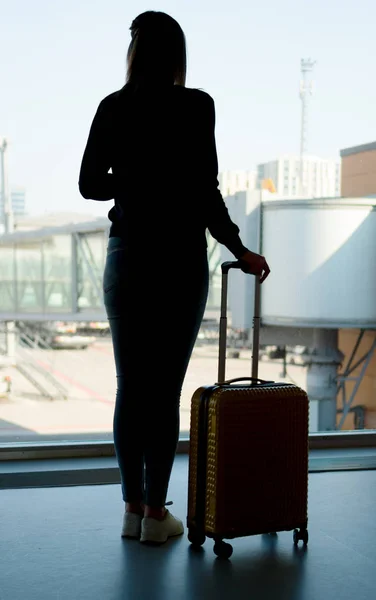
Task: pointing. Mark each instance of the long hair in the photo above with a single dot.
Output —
(157, 52)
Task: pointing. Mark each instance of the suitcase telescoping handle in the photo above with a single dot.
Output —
(226, 266)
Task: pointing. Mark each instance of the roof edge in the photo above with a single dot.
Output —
(357, 149)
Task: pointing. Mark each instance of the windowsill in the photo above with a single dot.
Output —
(60, 447)
(54, 472)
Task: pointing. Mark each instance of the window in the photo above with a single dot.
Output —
(51, 266)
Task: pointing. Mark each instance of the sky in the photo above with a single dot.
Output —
(59, 59)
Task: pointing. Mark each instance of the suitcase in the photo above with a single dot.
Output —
(248, 459)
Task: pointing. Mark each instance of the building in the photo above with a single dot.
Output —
(359, 170)
(18, 199)
(51, 219)
(17, 196)
(321, 178)
(231, 182)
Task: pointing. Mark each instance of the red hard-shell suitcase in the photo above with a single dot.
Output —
(248, 461)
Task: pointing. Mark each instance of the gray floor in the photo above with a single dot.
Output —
(64, 543)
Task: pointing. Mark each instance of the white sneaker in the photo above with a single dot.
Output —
(153, 530)
(131, 525)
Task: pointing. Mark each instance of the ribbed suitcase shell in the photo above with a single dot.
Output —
(248, 470)
(248, 463)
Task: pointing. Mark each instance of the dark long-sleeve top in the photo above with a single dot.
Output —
(159, 144)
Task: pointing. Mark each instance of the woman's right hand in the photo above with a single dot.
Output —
(254, 264)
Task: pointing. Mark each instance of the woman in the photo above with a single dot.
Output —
(157, 137)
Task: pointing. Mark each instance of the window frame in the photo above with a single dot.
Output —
(13, 451)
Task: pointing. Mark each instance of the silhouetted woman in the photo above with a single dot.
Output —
(157, 138)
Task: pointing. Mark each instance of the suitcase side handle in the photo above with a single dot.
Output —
(226, 266)
(251, 379)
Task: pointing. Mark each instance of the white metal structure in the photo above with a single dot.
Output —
(322, 254)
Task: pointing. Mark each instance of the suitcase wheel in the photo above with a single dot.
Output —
(222, 549)
(196, 538)
(300, 535)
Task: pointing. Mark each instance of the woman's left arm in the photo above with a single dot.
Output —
(95, 182)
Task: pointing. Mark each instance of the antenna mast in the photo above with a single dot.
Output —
(306, 88)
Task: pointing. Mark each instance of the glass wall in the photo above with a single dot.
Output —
(296, 133)
(29, 277)
(58, 274)
(7, 278)
(90, 253)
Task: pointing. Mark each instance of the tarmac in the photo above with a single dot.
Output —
(88, 378)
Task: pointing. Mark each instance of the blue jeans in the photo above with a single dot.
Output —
(155, 308)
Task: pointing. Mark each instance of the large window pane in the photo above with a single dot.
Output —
(306, 162)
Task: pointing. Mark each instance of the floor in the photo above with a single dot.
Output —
(64, 543)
